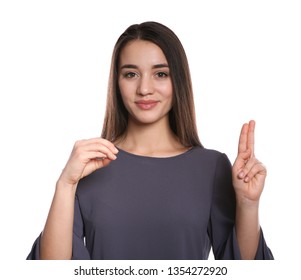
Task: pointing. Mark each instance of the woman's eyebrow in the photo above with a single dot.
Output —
(133, 66)
(162, 65)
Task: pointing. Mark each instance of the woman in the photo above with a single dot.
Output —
(148, 189)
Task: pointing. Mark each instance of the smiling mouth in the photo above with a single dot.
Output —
(146, 104)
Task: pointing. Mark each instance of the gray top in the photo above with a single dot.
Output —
(143, 207)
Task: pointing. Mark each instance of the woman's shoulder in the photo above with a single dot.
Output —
(207, 152)
(208, 156)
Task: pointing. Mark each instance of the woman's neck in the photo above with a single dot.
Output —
(156, 139)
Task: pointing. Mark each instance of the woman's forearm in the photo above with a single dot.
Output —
(56, 240)
(247, 230)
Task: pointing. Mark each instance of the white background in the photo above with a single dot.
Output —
(55, 56)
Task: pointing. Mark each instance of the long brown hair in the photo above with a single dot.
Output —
(182, 114)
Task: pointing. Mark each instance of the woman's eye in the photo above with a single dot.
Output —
(129, 75)
(162, 74)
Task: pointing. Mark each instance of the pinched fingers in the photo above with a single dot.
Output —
(99, 147)
(86, 157)
(107, 144)
(103, 151)
(251, 169)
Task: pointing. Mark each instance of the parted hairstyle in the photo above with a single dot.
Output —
(182, 114)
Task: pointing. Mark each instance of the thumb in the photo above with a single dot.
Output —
(94, 165)
(106, 162)
(99, 163)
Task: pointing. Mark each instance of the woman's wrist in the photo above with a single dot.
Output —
(61, 185)
(245, 203)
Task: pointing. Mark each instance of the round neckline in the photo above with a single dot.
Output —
(156, 158)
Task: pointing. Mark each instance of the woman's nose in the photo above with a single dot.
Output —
(145, 86)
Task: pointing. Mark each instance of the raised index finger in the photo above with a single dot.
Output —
(242, 144)
(250, 137)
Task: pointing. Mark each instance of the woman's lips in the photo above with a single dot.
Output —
(146, 104)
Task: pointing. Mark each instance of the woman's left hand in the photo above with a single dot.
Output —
(248, 173)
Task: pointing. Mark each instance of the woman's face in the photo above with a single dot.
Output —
(144, 82)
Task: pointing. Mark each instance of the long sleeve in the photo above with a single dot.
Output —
(79, 250)
(35, 250)
(157, 208)
(221, 227)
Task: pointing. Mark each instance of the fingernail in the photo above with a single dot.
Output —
(115, 150)
(241, 174)
(247, 179)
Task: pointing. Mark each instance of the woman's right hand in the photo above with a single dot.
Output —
(86, 157)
